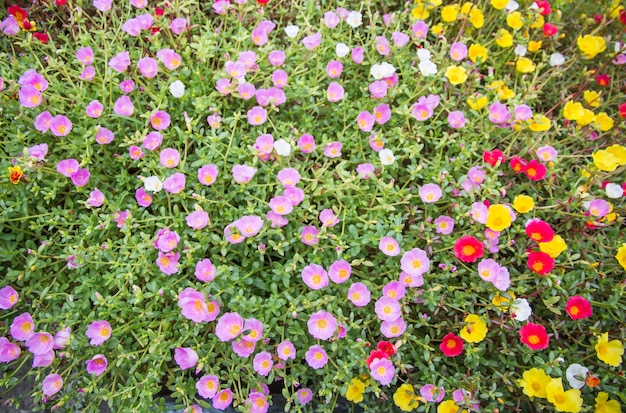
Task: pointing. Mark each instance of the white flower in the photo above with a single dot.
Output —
(520, 50)
(386, 156)
(423, 54)
(576, 375)
(427, 68)
(511, 6)
(557, 59)
(152, 184)
(177, 89)
(376, 71)
(521, 309)
(614, 191)
(354, 19)
(292, 31)
(342, 49)
(618, 47)
(387, 69)
(282, 147)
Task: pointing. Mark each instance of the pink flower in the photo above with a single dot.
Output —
(304, 395)
(432, 393)
(223, 399)
(277, 221)
(263, 363)
(205, 270)
(67, 167)
(286, 350)
(96, 198)
(312, 41)
(365, 170)
(281, 205)
(197, 219)
(169, 58)
(152, 141)
(168, 262)
(145, 21)
(23, 327)
(207, 386)
(499, 113)
(309, 235)
(135, 152)
(334, 69)
(61, 338)
(236, 70)
(120, 217)
(322, 325)
(394, 290)
(94, 109)
(444, 225)
(98, 332)
(178, 25)
(279, 78)
(288, 177)
(359, 295)
(140, 4)
(169, 157)
(382, 370)
(276, 57)
(102, 5)
(104, 136)
(96, 365)
(358, 55)
(167, 240)
(132, 27)
(314, 276)
(328, 218)
(42, 122)
(120, 62)
(400, 39)
(127, 86)
(246, 90)
(382, 113)
(365, 121)
(333, 149)
(382, 45)
(389, 246)
(229, 326)
(458, 51)
(387, 309)
(419, 29)
(207, 174)
(185, 357)
(255, 328)
(10, 26)
(60, 125)
(335, 92)
(8, 351)
(88, 73)
(51, 384)
(43, 360)
(306, 143)
(193, 305)
(378, 89)
(331, 19)
(148, 67)
(422, 111)
(8, 297)
(243, 348)
(175, 183)
(430, 193)
(392, 329)
(249, 225)
(295, 194)
(257, 116)
(160, 120)
(123, 106)
(257, 402)
(32, 78)
(415, 262)
(81, 177)
(316, 357)
(456, 119)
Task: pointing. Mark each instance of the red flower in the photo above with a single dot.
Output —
(19, 13)
(622, 16)
(42, 37)
(262, 2)
(468, 249)
(544, 7)
(451, 345)
(159, 11)
(535, 171)
(518, 164)
(539, 230)
(549, 29)
(387, 348)
(534, 336)
(61, 2)
(493, 157)
(622, 110)
(540, 262)
(599, 18)
(375, 354)
(603, 80)
(578, 307)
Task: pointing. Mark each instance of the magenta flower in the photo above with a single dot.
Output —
(67, 167)
(32, 78)
(358, 55)
(23, 327)
(499, 113)
(394, 290)
(120, 217)
(207, 174)
(333, 149)
(257, 116)
(168, 262)
(387, 309)
(167, 240)
(392, 329)
(382, 370)
(304, 395)
(81, 177)
(223, 399)
(98, 332)
(389, 246)
(193, 305)
(229, 326)
(169, 157)
(334, 69)
(169, 58)
(51, 384)
(96, 365)
(263, 363)
(286, 350)
(178, 25)
(249, 225)
(148, 67)
(120, 62)
(123, 106)
(185, 357)
(8, 297)
(335, 92)
(42, 122)
(309, 235)
(365, 121)
(104, 136)
(316, 357)
(415, 262)
(255, 328)
(281, 205)
(444, 225)
(322, 325)
(306, 143)
(456, 119)
(430, 193)
(458, 51)
(152, 141)
(127, 86)
(359, 295)
(174, 184)
(8, 351)
(96, 198)
(29, 96)
(197, 219)
(257, 402)
(43, 360)
(207, 386)
(242, 173)
(135, 152)
(85, 55)
(88, 73)
(60, 125)
(312, 41)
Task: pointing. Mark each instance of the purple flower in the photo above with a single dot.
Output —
(10, 26)
(102, 5)
(499, 113)
(328, 218)
(316, 357)
(178, 25)
(152, 141)
(120, 217)
(96, 198)
(223, 399)
(304, 395)
(148, 67)
(23, 327)
(43, 360)
(392, 329)
(312, 41)
(185, 357)
(523, 112)
(309, 235)
(61, 338)
(175, 183)
(400, 39)
(243, 348)
(88, 73)
(29, 96)
(123, 106)
(60, 125)
(169, 58)
(8, 297)
(331, 19)
(145, 21)
(81, 177)
(98, 332)
(42, 122)
(456, 119)
(8, 351)
(127, 86)
(365, 170)
(104, 136)
(96, 365)
(85, 55)
(51, 384)
(276, 57)
(358, 55)
(334, 69)
(286, 350)
(132, 27)
(120, 62)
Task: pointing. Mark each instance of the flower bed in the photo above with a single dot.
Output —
(418, 208)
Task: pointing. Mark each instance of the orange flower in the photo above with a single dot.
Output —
(15, 174)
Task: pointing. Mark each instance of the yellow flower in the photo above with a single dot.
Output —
(503, 301)
(466, 8)
(525, 65)
(447, 406)
(619, 152)
(420, 12)
(605, 160)
(405, 398)
(592, 98)
(477, 18)
(504, 93)
(504, 38)
(573, 110)
(450, 12)
(563, 401)
(603, 122)
(456, 75)
(498, 217)
(438, 29)
(499, 4)
(475, 329)
(609, 352)
(616, 8)
(604, 405)
(534, 46)
(538, 23)
(477, 102)
(590, 45)
(523, 204)
(514, 20)
(477, 52)
(355, 391)
(587, 117)
(534, 382)
(15, 174)
(553, 248)
(539, 123)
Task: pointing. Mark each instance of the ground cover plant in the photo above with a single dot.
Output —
(417, 207)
